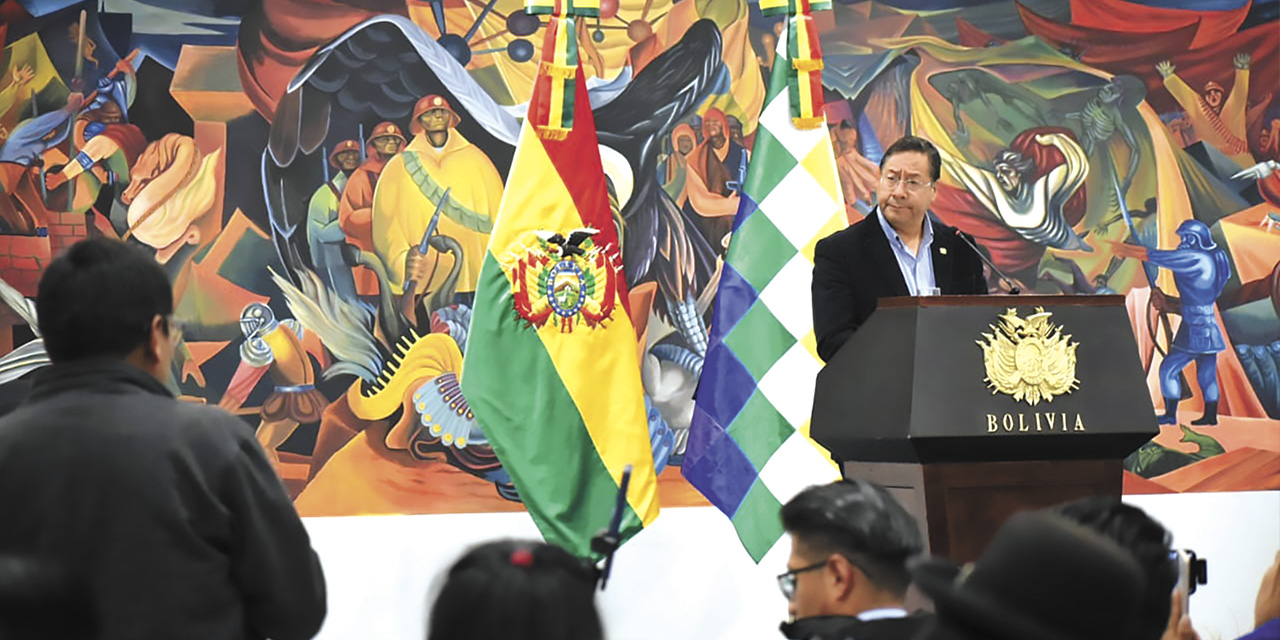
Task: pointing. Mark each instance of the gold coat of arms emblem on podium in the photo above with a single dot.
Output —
(1029, 358)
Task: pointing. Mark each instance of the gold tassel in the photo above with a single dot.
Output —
(807, 65)
(553, 133)
(559, 71)
(808, 123)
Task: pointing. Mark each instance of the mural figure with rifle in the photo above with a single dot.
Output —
(1200, 269)
(438, 159)
(431, 240)
(325, 236)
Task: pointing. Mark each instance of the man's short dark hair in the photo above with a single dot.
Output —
(918, 145)
(1147, 541)
(99, 298)
(862, 522)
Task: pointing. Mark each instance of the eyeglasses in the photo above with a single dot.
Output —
(787, 581)
(910, 185)
(176, 327)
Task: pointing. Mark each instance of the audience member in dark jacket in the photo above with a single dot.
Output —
(847, 575)
(166, 513)
(1043, 577)
(1147, 541)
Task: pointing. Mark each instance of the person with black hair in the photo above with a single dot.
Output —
(899, 249)
(516, 590)
(1042, 577)
(167, 514)
(1147, 541)
(847, 575)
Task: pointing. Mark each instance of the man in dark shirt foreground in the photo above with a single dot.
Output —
(167, 514)
(847, 575)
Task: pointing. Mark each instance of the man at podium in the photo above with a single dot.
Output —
(897, 250)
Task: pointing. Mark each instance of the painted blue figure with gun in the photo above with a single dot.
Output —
(1200, 269)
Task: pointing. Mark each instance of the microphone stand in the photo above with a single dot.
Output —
(1013, 288)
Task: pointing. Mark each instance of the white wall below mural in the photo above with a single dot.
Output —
(688, 577)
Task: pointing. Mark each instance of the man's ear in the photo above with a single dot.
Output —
(845, 576)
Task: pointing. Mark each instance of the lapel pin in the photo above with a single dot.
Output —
(942, 250)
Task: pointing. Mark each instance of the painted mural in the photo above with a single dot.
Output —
(319, 178)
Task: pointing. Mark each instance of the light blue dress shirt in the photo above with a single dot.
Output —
(917, 268)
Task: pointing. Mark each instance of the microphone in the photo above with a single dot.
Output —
(1008, 282)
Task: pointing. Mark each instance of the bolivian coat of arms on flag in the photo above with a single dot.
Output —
(564, 280)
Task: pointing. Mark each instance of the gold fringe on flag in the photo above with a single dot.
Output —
(551, 108)
(807, 66)
(555, 135)
(804, 55)
(558, 71)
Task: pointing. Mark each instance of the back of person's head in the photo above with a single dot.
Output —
(861, 521)
(1042, 576)
(38, 600)
(100, 299)
(1149, 544)
(916, 144)
(516, 590)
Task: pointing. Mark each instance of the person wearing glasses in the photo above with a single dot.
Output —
(899, 249)
(166, 514)
(847, 574)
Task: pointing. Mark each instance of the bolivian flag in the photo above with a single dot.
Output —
(552, 371)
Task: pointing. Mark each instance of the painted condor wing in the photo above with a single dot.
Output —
(379, 69)
(665, 91)
(656, 244)
(374, 72)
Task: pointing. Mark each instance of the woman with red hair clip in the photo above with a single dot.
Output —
(517, 590)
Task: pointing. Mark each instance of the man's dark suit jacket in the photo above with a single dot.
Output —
(855, 267)
(850, 628)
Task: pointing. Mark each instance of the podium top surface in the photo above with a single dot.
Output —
(986, 378)
(1001, 300)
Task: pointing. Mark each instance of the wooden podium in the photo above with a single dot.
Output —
(911, 403)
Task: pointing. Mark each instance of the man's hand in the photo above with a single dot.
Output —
(1165, 68)
(22, 75)
(1179, 626)
(1159, 300)
(1242, 61)
(416, 267)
